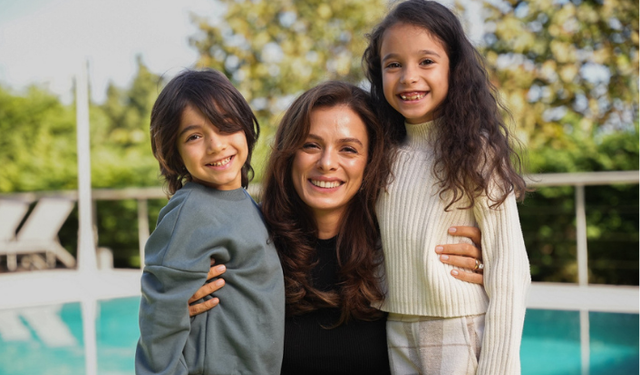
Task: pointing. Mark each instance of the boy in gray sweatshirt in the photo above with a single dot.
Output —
(203, 132)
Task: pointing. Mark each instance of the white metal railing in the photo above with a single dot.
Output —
(582, 297)
(577, 180)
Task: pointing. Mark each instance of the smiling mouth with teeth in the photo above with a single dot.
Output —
(413, 96)
(220, 163)
(326, 184)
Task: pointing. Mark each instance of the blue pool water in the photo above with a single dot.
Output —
(550, 344)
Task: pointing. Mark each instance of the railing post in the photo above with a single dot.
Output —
(583, 275)
(581, 237)
(143, 227)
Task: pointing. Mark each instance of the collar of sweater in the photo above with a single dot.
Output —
(420, 135)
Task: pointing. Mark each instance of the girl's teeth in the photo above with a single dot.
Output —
(325, 184)
(412, 96)
(221, 162)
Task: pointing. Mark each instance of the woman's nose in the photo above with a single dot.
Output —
(327, 161)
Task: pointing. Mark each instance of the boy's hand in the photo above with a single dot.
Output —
(207, 289)
(463, 255)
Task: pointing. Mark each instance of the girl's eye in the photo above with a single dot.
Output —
(427, 62)
(393, 65)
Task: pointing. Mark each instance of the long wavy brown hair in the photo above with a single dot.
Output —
(211, 93)
(474, 150)
(292, 225)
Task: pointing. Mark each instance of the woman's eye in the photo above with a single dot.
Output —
(349, 149)
(309, 146)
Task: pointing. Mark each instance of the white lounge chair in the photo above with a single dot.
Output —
(11, 214)
(39, 234)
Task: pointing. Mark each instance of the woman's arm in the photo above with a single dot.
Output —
(463, 255)
(206, 289)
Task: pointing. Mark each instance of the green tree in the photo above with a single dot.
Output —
(38, 143)
(121, 148)
(568, 69)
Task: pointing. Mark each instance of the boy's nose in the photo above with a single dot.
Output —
(216, 144)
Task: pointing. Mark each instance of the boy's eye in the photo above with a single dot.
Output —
(193, 137)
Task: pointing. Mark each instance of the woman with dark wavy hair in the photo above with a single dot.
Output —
(326, 170)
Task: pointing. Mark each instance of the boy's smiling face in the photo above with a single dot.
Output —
(415, 72)
(213, 158)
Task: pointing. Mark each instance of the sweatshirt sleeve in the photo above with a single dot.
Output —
(506, 279)
(164, 316)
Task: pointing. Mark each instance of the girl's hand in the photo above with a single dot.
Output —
(207, 289)
(463, 255)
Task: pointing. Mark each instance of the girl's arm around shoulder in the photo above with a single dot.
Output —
(506, 279)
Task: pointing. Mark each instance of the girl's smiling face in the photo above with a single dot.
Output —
(415, 72)
(327, 170)
(213, 158)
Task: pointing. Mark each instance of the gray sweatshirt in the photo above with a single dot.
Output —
(242, 335)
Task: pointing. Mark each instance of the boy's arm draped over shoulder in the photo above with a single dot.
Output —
(167, 285)
(506, 280)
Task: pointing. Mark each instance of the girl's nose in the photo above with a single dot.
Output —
(409, 75)
(327, 161)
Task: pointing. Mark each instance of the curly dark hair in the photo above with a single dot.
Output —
(211, 93)
(291, 222)
(474, 150)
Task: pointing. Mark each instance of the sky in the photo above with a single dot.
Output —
(46, 42)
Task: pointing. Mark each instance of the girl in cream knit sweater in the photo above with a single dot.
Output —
(453, 166)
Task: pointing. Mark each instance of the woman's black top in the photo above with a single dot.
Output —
(357, 347)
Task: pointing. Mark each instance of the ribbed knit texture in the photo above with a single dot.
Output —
(413, 221)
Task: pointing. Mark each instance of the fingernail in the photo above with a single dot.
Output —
(444, 257)
(454, 272)
(220, 282)
(221, 268)
(439, 249)
(452, 230)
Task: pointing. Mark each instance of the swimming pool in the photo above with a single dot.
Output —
(49, 341)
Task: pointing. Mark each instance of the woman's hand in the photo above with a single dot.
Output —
(207, 289)
(464, 255)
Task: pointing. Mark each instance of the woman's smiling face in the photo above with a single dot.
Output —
(328, 168)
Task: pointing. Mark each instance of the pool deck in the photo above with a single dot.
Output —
(47, 287)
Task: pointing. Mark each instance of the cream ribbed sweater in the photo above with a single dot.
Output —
(413, 222)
